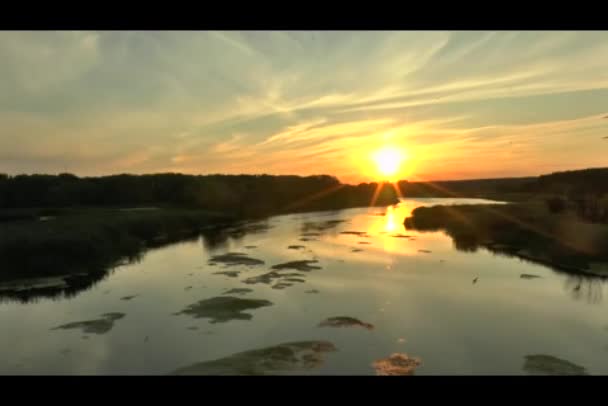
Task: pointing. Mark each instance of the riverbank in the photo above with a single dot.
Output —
(526, 229)
(70, 242)
(82, 242)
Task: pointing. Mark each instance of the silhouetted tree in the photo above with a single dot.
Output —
(556, 204)
(244, 195)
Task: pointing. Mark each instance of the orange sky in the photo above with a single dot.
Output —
(457, 104)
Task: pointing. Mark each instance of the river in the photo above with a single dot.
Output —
(371, 289)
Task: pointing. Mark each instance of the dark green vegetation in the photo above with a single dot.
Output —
(282, 358)
(550, 365)
(281, 285)
(302, 265)
(269, 277)
(73, 230)
(345, 321)
(238, 291)
(525, 229)
(98, 326)
(401, 236)
(224, 308)
(315, 228)
(90, 240)
(560, 219)
(357, 233)
(298, 280)
(235, 258)
(65, 225)
(512, 188)
(230, 274)
(583, 191)
(241, 195)
(128, 297)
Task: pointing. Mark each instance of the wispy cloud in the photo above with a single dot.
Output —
(98, 102)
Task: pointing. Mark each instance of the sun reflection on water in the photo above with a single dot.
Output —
(390, 225)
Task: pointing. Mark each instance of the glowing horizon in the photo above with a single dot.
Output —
(459, 105)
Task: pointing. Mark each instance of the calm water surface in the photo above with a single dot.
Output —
(457, 312)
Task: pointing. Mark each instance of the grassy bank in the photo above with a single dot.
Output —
(64, 225)
(60, 241)
(82, 243)
(527, 230)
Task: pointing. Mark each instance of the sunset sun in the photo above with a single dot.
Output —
(388, 161)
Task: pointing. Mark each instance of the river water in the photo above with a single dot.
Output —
(376, 289)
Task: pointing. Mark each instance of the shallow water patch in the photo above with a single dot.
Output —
(287, 357)
(529, 276)
(303, 265)
(238, 291)
(230, 274)
(235, 258)
(269, 277)
(540, 364)
(97, 326)
(345, 321)
(127, 298)
(222, 309)
(357, 233)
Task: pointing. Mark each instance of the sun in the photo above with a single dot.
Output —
(388, 161)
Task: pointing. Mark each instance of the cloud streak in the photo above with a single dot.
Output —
(302, 102)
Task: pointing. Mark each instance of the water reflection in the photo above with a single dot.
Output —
(404, 284)
(318, 228)
(345, 321)
(33, 290)
(218, 237)
(582, 287)
(391, 224)
(383, 234)
(97, 326)
(223, 308)
(214, 238)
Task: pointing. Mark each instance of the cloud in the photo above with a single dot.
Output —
(299, 102)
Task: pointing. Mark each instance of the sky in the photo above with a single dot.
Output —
(457, 105)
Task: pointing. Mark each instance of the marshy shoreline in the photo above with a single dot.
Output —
(525, 229)
(75, 230)
(68, 247)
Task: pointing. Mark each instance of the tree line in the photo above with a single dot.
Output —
(584, 191)
(240, 194)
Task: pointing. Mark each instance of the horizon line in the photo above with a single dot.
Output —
(301, 176)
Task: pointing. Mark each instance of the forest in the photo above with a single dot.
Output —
(239, 195)
(583, 191)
